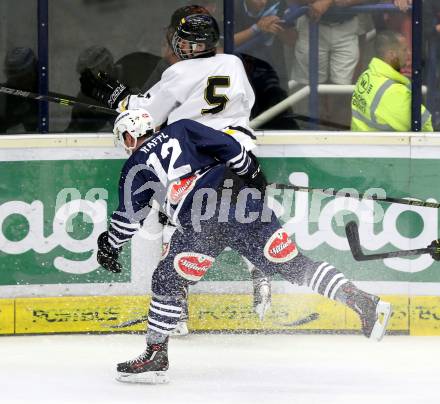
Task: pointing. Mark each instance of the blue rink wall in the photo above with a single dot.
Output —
(58, 190)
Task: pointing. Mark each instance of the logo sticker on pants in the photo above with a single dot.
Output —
(280, 248)
(192, 266)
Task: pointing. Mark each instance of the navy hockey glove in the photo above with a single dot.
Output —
(435, 250)
(107, 255)
(103, 88)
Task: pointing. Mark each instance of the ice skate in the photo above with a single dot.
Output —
(150, 367)
(262, 293)
(373, 312)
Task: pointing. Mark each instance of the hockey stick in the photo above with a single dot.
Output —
(301, 321)
(332, 192)
(130, 322)
(68, 102)
(352, 233)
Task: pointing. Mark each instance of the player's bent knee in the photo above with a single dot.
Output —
(280, 248)
(192, 266)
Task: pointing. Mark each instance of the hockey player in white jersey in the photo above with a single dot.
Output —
(177, 168)
(204, 86)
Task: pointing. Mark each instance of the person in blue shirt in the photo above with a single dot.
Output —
(180, 170)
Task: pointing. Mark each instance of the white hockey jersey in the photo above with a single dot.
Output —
(214, 91)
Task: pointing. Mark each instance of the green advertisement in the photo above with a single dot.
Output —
(47, 233)
(51, 212)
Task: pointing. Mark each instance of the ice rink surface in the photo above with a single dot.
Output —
(228, 368)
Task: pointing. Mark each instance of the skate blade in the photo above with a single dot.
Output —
(265, 301)
(383, 311)
(261, 309)
(144, 378)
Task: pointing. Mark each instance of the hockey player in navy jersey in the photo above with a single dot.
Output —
(181, 168)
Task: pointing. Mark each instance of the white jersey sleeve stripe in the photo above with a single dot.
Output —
(126, 224)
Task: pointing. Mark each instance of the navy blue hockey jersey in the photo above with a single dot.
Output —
(169, 168)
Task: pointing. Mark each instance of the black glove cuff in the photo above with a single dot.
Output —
(163, 219)
(435, 250)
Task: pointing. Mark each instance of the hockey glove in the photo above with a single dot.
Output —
(107, 255)
(256, 179)
(103, 88)
(435, 250)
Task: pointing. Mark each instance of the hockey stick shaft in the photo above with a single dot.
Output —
(340, 193)
(352, 233)
(130, 322)
(68, 102)
(301, 321)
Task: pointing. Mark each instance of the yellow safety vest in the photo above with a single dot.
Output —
(382, 101)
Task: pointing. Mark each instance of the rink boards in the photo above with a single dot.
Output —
(419, 315)
(57, 192)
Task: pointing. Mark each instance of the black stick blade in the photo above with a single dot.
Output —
(352, 233)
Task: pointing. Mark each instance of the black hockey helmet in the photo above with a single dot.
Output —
(177, 17)
(183, 12)
(196, 29)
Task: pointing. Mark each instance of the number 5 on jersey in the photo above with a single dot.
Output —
(212, 98)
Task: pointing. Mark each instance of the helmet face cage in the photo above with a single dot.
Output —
(136, 123)
(186, 52)
(193, 30)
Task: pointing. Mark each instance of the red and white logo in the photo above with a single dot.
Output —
(167, 234)
(192, 266)
(178, 189)
(280, 248)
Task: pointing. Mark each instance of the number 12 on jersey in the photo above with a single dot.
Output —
(212, 98)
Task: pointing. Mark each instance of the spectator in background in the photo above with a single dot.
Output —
(264, 60)
(338, 52)
(431, 19)
(402, 5)
(382, 97)
(268, 92)
(431, 40)
(366, 26)
(264, 17)
(21, 71)
(97, 58)
(398, 22)
(338, 42)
